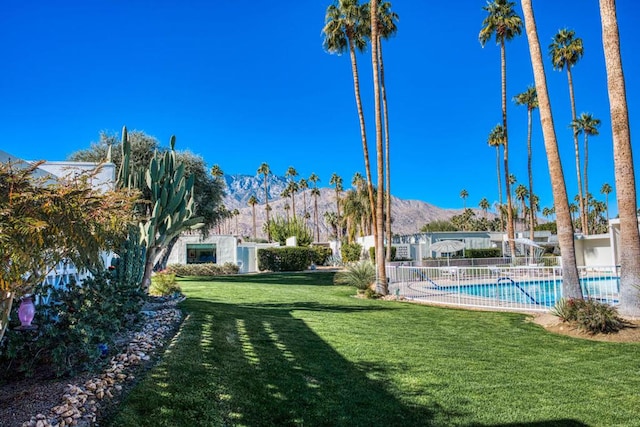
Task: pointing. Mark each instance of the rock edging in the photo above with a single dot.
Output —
(81, 403)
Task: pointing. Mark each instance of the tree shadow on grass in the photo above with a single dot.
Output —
(255, 366)
(259, 365)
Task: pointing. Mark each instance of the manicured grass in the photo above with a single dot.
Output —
(291, 350)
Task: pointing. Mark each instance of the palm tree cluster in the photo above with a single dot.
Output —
(351, 26)
(290, 191)
(565, 51)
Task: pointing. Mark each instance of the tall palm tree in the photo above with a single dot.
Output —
(565, 51)
(381, 274)
(336, 180)
(484, 205)
(315, 192)
(292, 189)
(588, 125)
(496, 139)
(236, 214)
(346, 29)
(529, 98)
(574, 209)
(606, 190)
(386, 28)
(216, 171)
(547, 212)
(292, 186)
(505, 23)
(570, 282)
(265, 171)
(623, 164)
(303, 185)
(287, 208)
(253, 201)
(521, 195)
(463, 195)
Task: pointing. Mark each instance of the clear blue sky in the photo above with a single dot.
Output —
(242, 83)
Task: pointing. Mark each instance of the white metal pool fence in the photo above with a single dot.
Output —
(521, 288)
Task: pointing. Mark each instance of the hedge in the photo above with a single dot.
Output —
(483, 253)
(206, 269)
(285, 258)
(321, 254)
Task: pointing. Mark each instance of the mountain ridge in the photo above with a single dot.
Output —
(408, 215)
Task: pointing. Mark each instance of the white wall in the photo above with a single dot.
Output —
(104, 180)
(225, 248)
(595, 250)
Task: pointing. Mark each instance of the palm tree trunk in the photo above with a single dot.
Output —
(510, 230)
(253, 208)
(623, 164)
(576, 145)
(266, 207)
(315, 214)
(293, 204)
(363, 132)
(379, 211)
(387, 192)
(570, 283)
(499, 187)
(532, 203)
(586, 179)
(339, 231)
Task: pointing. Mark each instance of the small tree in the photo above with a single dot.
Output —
(44, 222)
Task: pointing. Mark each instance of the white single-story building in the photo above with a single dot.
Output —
(193, 248)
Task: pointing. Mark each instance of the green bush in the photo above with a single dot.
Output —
(350, 252)
(281, 229)
(320, 254)
(483, 253)
(71, 325)
(205, 269)
(360, 274)
(372, 254)
(284, 259)
(589, 315)
(163, 283)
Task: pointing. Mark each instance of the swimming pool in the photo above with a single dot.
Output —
(538, 292)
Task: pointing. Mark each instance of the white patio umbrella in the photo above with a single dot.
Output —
(447, 246)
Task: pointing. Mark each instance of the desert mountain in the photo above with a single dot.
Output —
(408, 215)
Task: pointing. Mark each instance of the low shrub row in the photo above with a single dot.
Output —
(206, 269)
(285, 258)
(289, 258)
(483, 253)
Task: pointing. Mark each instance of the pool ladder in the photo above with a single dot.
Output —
(517, 285)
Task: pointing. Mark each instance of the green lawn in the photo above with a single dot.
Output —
(290, 349)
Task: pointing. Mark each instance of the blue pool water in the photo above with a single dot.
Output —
(540, 292)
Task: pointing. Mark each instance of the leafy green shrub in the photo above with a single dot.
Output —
(359, 274)
(284, 259)
(589, 315)
(71, 325)
(163, 283)
(350, 252)
(372, 254)
(281, 229)
(483, 253)
(320, 254)
(206, 269)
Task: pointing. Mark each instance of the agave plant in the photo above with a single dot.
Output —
(360, 274)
